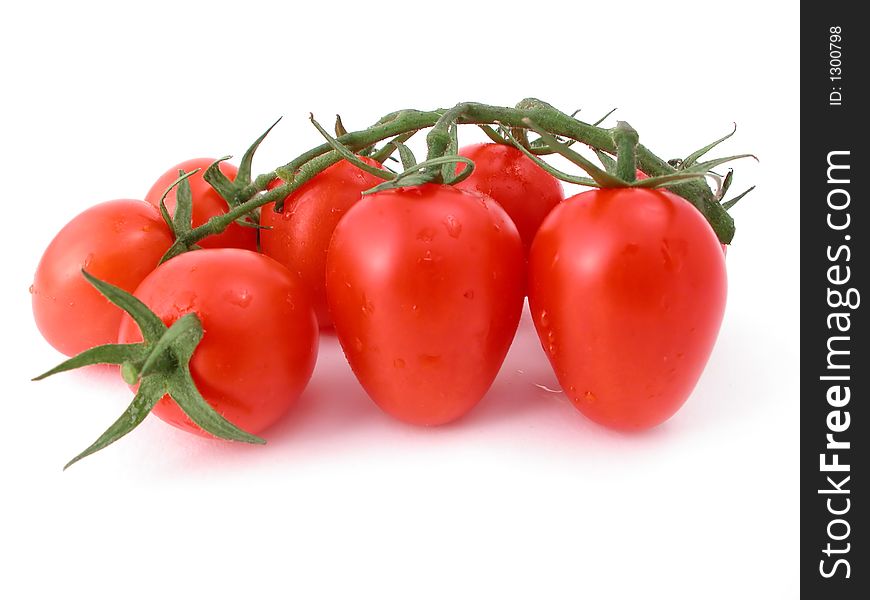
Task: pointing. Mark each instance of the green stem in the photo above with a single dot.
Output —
(311, 162)
(625, 138)
(438, 139)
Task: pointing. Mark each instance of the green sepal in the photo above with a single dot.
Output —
(171, 222)
(350, 156)
(183, 206)
(220, 182)
(143, 402)
(186, 330)
(665, 180)
(558, 174)
(600, 176)
(243, 178)
(726, 184)
(492, 134)
(448, 169)
(183, 391)
(694, 156)
(160, 366)
(601, 120)
(425, 172)
(150, 325)
(727, 205)
(109, 354)
(390, 147)
(698, 171)
(607, 161)
(408, 159)
(245, 222)
(710, 164)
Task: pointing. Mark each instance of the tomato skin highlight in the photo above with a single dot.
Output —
(299, 235)
(206, 203)
(524, 190)
(119, 241)
(260, 334)
(627, 290)
(425, 287)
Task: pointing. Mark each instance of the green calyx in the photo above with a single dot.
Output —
(441, 159)
(621, 171)
(160, 365)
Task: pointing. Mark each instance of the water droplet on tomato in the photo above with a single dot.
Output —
(414, 308)
(399, 363)
(287, 214)
(545, 319)
(240, 298)
(496, 226)
(589, 397)
(357, 344)
(454, 227)
(336, 210)
(88, 260)
(551, 343)
(427, 257)
(367, 307)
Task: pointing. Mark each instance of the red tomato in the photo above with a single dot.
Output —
(260, 340)
(120, 241)
(300, 234)
(641, 175)
(425, 286)
(522, 188)
(207, 203)
(627, 289)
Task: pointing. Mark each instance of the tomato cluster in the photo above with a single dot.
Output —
(423, 284)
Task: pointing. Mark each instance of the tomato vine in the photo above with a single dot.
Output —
(246, 194)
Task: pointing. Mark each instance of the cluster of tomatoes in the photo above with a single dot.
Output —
(423, 285)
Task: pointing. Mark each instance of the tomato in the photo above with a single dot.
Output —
(120, 241)
(207, 203)
(425, 286)
(299, 236)
(260, 342)
(627, 290)
(522, 188)
(641, 175)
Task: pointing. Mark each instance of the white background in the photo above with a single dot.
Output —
(524, 498)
